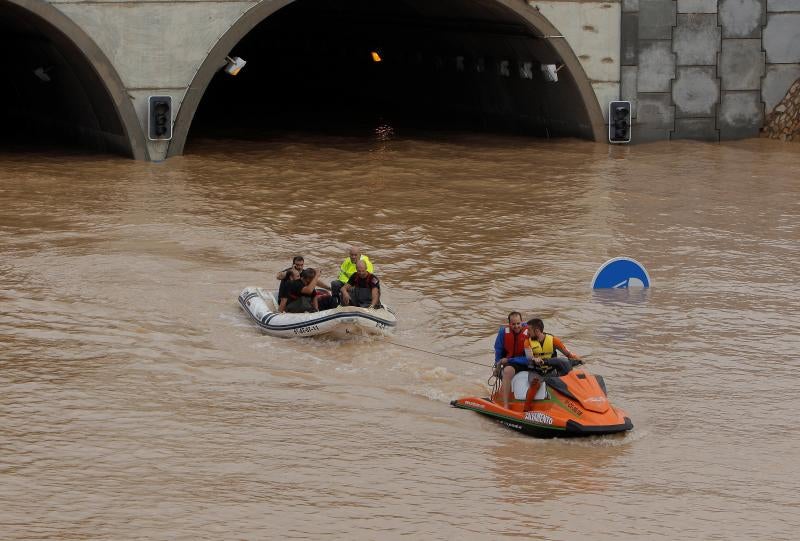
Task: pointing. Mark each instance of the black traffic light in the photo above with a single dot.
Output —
(159, 116)
(619, 122)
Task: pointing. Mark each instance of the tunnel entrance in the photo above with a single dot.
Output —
(53, 96)
(354, 65)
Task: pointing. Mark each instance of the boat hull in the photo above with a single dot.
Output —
(261, 307)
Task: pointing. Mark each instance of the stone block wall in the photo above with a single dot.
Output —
(707, 69)
(784, 121)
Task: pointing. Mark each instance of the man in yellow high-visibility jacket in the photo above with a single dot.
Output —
(348, 268)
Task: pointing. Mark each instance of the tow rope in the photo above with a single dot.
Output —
(439, 354)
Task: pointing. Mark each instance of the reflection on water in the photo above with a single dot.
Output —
(139, 402)
(621, 297)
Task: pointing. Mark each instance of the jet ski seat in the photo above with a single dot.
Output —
(521, 383)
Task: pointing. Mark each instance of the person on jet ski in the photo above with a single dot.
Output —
(544, 345)
(544, 348)
(512, 353)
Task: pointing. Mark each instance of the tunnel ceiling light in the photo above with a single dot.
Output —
(234, 65)
(41, 73)
(504, 68)
(376, 57)
(550, 72)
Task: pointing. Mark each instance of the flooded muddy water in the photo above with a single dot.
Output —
(137, 401)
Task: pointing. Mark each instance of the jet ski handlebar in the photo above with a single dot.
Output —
(560, 365)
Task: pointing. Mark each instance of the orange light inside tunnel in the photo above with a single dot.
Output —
(376, 57)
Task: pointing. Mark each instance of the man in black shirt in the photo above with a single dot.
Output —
(297, 264)
(290, 275)
(302, 293)
(363, 289)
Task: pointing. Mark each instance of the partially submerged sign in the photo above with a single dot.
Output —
(620, 273)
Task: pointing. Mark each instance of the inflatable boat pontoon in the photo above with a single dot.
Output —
(262, 307)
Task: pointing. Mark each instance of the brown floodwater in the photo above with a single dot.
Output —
(138, 402)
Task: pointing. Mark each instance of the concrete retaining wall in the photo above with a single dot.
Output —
(707, 69)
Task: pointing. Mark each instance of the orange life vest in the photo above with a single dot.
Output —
(514, 344)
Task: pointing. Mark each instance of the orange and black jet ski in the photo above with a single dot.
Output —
(565, 406)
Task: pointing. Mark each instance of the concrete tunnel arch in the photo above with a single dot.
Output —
(537, 25)
(96, 110)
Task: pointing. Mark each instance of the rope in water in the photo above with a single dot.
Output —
(448, 356)
(493, 381)
(439, 354)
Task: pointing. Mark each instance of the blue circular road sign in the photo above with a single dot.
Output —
(620, 273)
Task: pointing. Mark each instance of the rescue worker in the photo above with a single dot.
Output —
(544, 348)
(362, 289)
(348, 268)
(512, 353)
(290, 275)
(297, 264)
(302, 293)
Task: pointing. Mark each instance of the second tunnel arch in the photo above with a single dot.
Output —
(584, 104)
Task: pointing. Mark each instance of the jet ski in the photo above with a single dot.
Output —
(565, 406)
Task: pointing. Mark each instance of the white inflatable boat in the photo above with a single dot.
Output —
(262, 307)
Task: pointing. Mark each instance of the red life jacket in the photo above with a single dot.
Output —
(514, 344)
